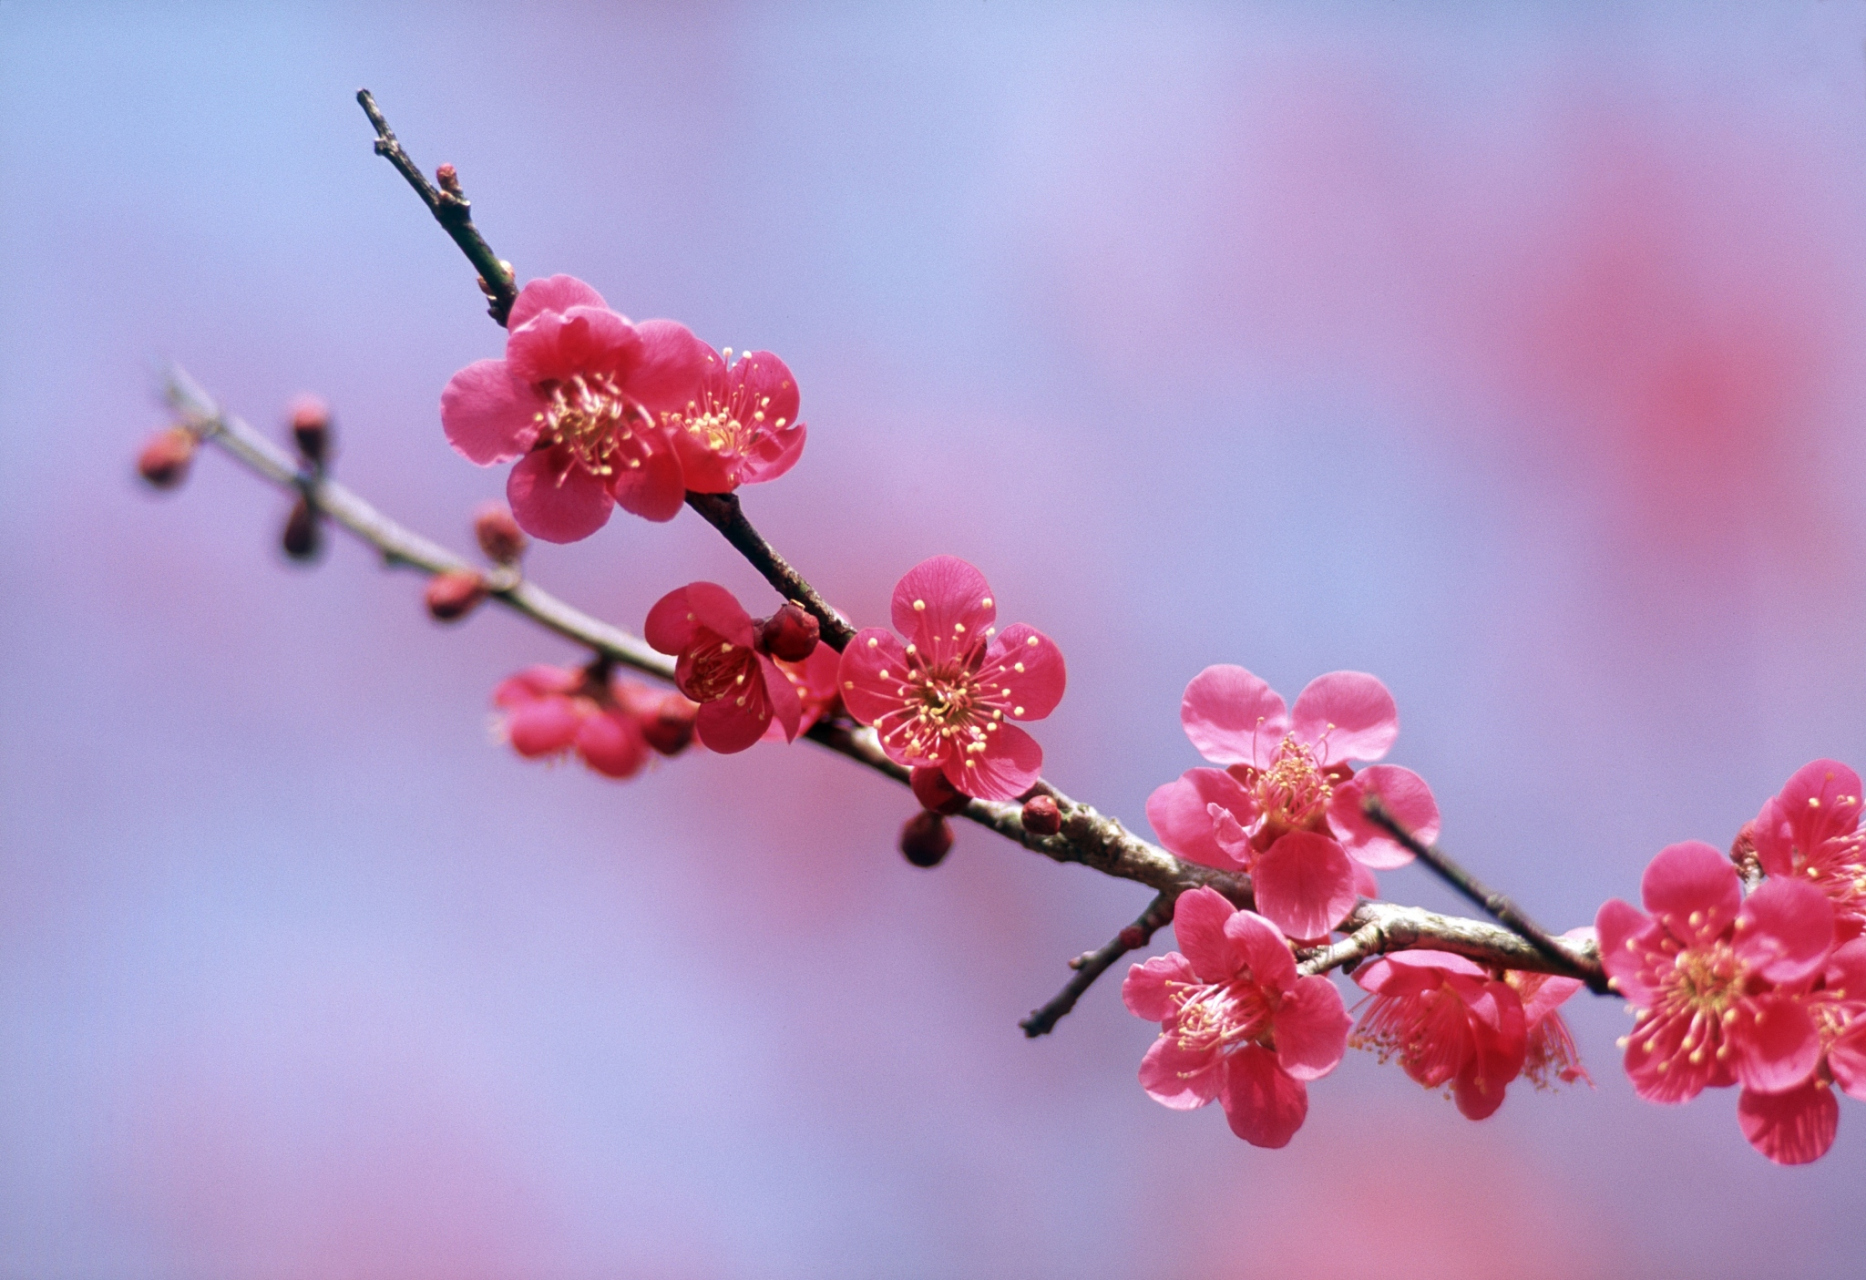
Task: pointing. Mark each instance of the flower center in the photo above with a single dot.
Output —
(723, 426)
(949, 705)
(1293, 793)
(588, 417)
(1208, 1018)
(714, 670)
(1704, 979)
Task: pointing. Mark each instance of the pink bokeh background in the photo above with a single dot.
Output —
(1512, 354)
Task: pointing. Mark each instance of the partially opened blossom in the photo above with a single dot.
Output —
(1720, 986)
(740, 691)
(818, 694)
(741, 425)
(945, 696)
(1549, 1055)
(1811, 832)
(1236, 1022)
(1447, 1022)
(578, 400)
(549, 712)
(1287, 806)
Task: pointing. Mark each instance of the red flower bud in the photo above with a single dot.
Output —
(303, 537)
(935, 792)
(448, 178)
(311, 428)
(1042, 817)
(926, 839)
(165, 458)
(1133, 937)
(790, 634)
(455, 594)
(498, 533)
(670, 729)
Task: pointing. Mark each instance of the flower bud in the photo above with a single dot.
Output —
(448, 179)
(165, 458)
(455, 594)
(498, 533)
(935, 792)
(303, 537)
(790, 633)
(669, 729)
(1042, 817)
(926, 839)
(311, 428)
(1133, 937)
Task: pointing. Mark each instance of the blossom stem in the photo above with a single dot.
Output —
(452, 210)
(1498, 905)
(723, 512)
(1092, 965)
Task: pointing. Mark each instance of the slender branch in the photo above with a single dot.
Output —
(451, 208)
(722, 511)
(1090, 965)
(1498, 905)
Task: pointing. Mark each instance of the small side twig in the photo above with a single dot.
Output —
(451, 208)
(1505, 912)
(1091, 965)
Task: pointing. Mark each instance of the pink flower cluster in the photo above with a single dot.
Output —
(611, 724)
(1764, 991)
(601, 412)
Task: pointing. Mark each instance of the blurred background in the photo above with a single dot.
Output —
(1512, 353)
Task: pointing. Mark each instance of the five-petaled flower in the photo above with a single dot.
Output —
(1447, 1022)
(1236, 1022)
(1287, 806)
(1811, 832)
(579, 399)
(945, 698)
(741, 425)
(740, 690)
(610, 724)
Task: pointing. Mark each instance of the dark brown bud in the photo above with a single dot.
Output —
(1133, 937)
(165, 458)
(311, 428)
(669, 729)
(935, 791)
(926, 839)
(790, 634)
(449, 180)
(455, 594)
(498, 533)
(303, 537)
(1042, 817)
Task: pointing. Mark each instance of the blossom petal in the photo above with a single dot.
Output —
(1010, 765)
(1146, 991)
(1026, 668)
(489, 416)
(1687, 879)
(727, 725)
(1543, 994)
(1622, 928)
(557, 345)
(1786, 930)
(1773, 1043)
(1407, 798)
(720, 612)
(672, 624)
(1199, 919)
(1180, 813)
(1232, 717)
(781, 697)
(1795, 1127)
(1821, 802)
(533, 683)
(1311, 1029)
(1175, 1078)
(612, 744)
(551, 293)
(542, 728)
(1661, 1070)
(1260, 945)
(557, 506)
(1304, 884)
(942, 598)
(1263, 1103)
(670, 365)
(1346, 715)
(1846, 1058)
(773, 454)
(870, 673)
(657, 489)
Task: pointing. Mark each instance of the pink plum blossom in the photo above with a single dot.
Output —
(1549, 1055)
(1287, 806)
(815, 680)
(741, 425)
(548, 712)
(578, 400)
(1447, 1022)
(740, 691)
(1811, 832)
(1236, 1022)
(945, 697)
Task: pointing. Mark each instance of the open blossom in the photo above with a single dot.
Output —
(1719, 985)
(1236, 1022)
(1798, 1125)
(741, 425)
(1287, 806)
(945, 697)
(548, 712)
(1447, 1022)
(1811, 832)
(579, 400)
(740, 690)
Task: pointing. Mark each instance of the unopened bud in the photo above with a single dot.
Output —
(926, 839)
(455, 594)
(311, 428)
(669, 729)
(934, 790)
(165, 458)
(1042, 817)
(303, 538)
(498, 533)
(449, 179)
(790, 633)
(1133, 937)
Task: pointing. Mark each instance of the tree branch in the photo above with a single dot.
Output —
(723, 512)
(1090, 965)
